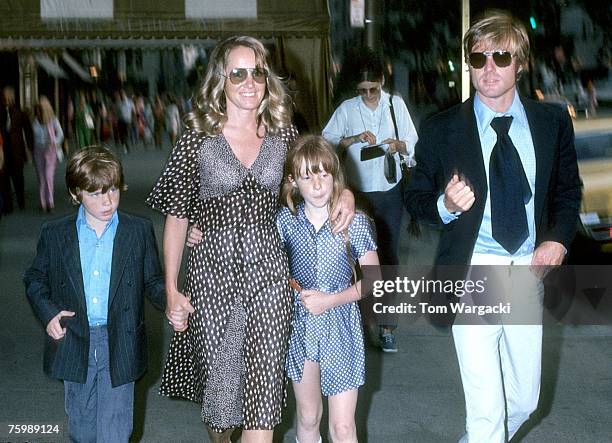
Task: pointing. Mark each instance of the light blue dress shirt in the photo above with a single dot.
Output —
(521, 138)
(96, 263)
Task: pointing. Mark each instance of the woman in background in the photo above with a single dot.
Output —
(48, 137)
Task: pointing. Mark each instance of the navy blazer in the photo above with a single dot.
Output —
(54, 282)
(449, 143)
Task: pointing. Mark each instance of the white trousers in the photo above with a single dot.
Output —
(498, 359)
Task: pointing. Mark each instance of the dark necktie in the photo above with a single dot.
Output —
(509, 188)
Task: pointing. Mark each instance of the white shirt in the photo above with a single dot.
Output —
(353, 117)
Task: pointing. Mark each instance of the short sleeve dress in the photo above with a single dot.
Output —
(318, 260)
(231, 358)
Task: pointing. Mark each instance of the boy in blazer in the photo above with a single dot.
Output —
(499, 174)
(87, 285)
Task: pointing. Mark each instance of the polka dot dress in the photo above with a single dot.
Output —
(231, 358)
(318, 260)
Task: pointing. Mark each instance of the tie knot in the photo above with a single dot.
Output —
(501, 125)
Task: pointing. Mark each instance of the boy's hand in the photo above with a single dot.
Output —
(54, 328)
(194, 236)
(178, 309)
(316, 302)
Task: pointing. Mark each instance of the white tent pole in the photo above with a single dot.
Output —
(465, 74)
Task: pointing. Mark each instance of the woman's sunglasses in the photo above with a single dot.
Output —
(364, 91)
(479, 59)
(239, 75)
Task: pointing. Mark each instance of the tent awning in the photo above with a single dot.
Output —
(76, 67)
(140, 23)
(47, 63)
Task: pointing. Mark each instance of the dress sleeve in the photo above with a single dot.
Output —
(177, 190)
(288, 135)
(362, 236)
(281, 223)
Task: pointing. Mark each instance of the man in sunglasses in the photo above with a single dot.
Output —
(498, 173)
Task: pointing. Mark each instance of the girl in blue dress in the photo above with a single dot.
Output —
(326, 349)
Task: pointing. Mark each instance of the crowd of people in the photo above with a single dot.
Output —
(90, 117)
(125, 119)
(271, 287)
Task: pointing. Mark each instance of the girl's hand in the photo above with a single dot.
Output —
(178, 309)
(194, 236)
(316, 302)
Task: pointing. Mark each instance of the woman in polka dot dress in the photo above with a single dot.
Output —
(224, 174)
(326, 351)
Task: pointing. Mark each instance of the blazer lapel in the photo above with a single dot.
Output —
(542, 134)
(468, 143)
(122, 246)
(72, 259)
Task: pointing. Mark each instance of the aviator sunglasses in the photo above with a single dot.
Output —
(372, 91)
(479, 59)
(239, 75)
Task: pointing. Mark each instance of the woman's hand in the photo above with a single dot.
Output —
(316, 302)
(396, 146)
(194, 236)
(366, 137)
(178, 309)
(343, 212)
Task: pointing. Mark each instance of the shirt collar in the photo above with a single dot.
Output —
(81, 221)
(301, 216)
(484, 114)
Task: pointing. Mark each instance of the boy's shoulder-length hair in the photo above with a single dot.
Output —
(317, 154)
(94, 168)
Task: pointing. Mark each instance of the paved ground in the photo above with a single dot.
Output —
(413, 396)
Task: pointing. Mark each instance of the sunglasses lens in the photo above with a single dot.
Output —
(259, 75)
(364, 91)
(502, 59)
(238, 75)
(477, 60)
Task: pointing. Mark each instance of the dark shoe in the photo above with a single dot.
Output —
(387, 342)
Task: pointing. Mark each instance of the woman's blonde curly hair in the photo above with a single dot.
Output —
(209, 103)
